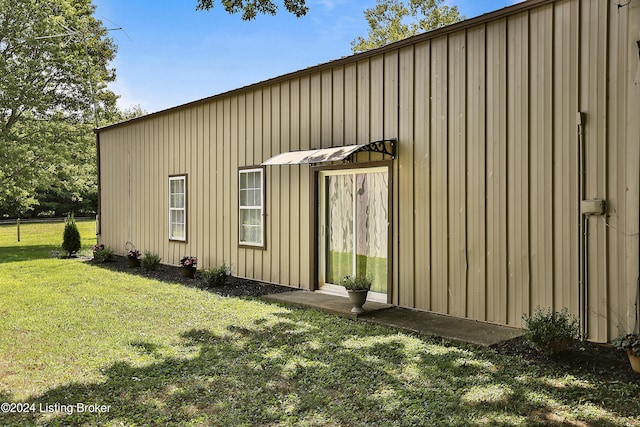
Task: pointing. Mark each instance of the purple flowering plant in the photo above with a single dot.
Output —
(133, 254)
(189, 261)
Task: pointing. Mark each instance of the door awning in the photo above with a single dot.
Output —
(333, 154)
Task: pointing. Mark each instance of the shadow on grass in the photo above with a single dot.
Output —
(27, 253)
(305, 369)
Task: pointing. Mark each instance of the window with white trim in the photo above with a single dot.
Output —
(251, 207)
(178, 207)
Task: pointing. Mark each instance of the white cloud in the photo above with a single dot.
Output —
(126, 99)
(327, 4)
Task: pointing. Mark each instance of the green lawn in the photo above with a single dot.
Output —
(39, 240)
(151, 353)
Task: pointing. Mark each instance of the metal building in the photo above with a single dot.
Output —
(479, 170)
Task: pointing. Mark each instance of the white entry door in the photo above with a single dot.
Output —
(354, 228)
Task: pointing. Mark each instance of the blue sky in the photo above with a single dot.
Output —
(170, 54)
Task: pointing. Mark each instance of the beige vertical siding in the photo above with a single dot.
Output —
(485, 198)
(626, 295)
(622, 172)
(593, 93)
(456, 173)
(405, 224)
(421, 282)
(496, 164)
(518, 145)
(565, 154)
(438, 233)
(476, 175)
(363, 103)
(541, 161)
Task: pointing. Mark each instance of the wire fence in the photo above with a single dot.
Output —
(17, 222)
(43, 220)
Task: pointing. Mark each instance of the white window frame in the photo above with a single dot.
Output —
(243, 208)
(183, 209)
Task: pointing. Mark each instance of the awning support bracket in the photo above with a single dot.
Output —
(380, 147)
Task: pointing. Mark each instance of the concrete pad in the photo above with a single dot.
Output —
(422, 322)
(453, 328)
(327, 303)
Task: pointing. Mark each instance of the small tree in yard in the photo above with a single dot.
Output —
(71, 237)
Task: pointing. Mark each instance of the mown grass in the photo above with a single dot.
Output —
(159, 353)
(40, 240)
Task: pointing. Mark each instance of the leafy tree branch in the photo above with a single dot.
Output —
(54, 67)
(251, 8)
(393, 20)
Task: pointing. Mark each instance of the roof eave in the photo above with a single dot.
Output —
(485, 18)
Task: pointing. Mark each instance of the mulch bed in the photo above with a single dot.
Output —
(581, 357)
(167, 273)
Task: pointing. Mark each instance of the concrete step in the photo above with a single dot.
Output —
(422, 322)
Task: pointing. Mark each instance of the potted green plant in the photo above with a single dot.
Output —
(96, 249)
(102, 253)
(188, 265)
(631, 344)
(357, 288)
(133, 258)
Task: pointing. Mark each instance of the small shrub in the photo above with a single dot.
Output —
(150, 261)
(356, 283)
(71, 236)
(102, 253)
(218, 276)
(549, 331)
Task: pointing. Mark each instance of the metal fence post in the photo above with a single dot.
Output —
(18, 224)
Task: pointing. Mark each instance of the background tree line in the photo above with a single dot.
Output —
(54, 73)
